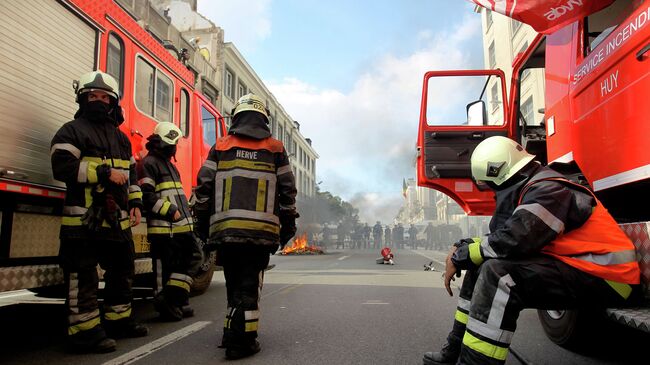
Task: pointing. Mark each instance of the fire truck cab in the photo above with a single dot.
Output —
(595, 128)
(46, 46)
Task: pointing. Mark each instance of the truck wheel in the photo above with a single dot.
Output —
(203, 279)
(570, 329)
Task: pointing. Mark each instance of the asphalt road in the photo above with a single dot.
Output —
(336, 308)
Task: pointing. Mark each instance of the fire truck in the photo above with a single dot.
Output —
(46, 45)
(594, 128)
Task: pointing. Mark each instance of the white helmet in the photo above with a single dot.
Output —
(250, 102)
(497, 158)
(97, 80)
(168, 132)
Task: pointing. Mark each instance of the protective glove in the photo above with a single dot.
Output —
(287, 226)
(468, 254)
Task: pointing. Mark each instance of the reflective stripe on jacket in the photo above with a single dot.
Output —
(598, 247)
(163, 196)
(77, 149)
(249, 181)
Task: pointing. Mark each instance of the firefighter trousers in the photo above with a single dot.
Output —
(243, 269)
(492, 297)
(79, 259)
(172, 259)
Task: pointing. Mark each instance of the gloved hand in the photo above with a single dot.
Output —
(287, 226)
(202, 225)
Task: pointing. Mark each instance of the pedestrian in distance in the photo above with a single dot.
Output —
(430, 233)
(377, 233)
(246, 207)
(174, 250)
(94, 160)
(552, 245)
(388, 236)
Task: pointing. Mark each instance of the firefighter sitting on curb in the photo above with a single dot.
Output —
(245, 199)
(552, 245)
(169, 224)
(102, 201)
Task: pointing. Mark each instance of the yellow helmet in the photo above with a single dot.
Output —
(168, 132)
(97, 80)
(250, 102)
(497, 158)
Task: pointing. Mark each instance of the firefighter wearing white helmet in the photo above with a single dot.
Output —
(496, 159)
(246, 198)
(551, 245)
(103, 200)
(169, 224)
(97, 80)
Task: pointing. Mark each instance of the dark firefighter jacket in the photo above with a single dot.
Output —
(78, 152)
(163, 195)
(543, 212)
(249, 185)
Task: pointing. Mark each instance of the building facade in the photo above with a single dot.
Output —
(503, 39)
(223, 75)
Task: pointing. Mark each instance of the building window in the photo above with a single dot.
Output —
(209, 122)
(153, 91)
(241, 90)
(527, 111)
(185, 113)
(488, 19)
(492, 56)
(280, 133)
(494, 100)
(227, 87)
(115, 60)
(164, 96)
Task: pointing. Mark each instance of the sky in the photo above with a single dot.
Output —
(350, 72)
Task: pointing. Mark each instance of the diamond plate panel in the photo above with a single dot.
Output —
(638, 318)
(35, 235)
(639, 234)
(25, 277)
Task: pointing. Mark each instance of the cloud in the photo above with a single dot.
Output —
(366, 137)
(249, 24)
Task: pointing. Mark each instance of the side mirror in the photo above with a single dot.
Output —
(476, 113)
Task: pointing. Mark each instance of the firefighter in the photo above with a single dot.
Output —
(246, 201)
(377, 233)
(169, 224)
(93, 158)
(413, 236)
(552, 245)
(430, 231)
(388, 236)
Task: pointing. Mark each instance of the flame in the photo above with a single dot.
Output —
(300, 245)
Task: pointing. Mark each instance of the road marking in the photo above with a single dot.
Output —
(158, 344)
(343, 258)
(373, 302)
(430, 258)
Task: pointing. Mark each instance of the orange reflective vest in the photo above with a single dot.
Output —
(598, 247)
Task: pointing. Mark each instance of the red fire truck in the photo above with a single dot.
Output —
(45, 46)
(595, 60)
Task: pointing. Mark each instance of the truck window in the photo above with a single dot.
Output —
(599, 25)
(209, 122)
(185, 113)
(457, 101)
(153, 91)
(115, 59)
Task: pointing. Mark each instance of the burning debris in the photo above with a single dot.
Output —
(300, 246)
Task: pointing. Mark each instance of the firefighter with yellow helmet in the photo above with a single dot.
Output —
(246, 207)
(169, 223)
(551, 245)
(93, 158)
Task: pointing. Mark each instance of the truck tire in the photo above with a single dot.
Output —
(571, 329)
(203, 279)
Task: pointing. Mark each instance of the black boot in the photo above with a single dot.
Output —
(93, 340)
(450, 351)
(238, 352)
(125, 328)
(187, 311)
(168, 311)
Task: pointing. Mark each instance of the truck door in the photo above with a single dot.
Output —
(458, 110)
